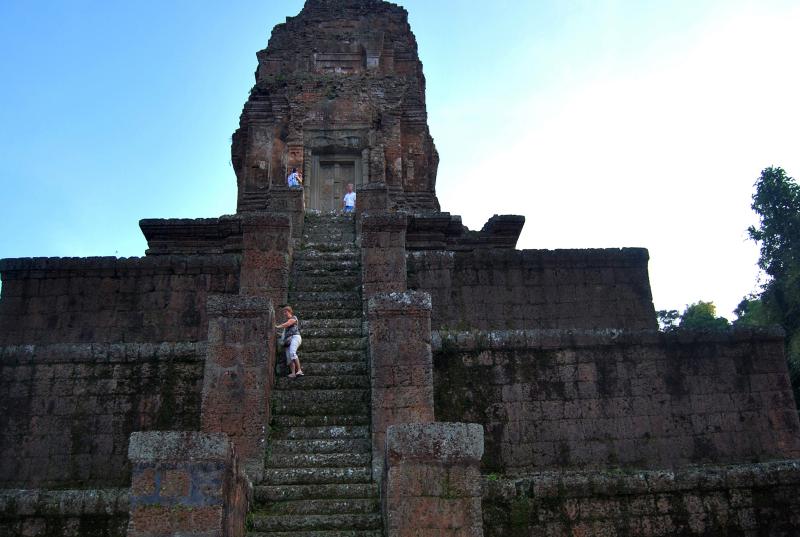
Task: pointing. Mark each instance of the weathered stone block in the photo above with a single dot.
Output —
(433, 481)
(186, 483)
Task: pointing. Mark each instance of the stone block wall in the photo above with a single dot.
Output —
(383, 254)
(186, 484)
(401, 367)
(66, 410)
(535, 289)
(105, 299)
(433, 480)
(755, 499)
(64, 513)
(599, 399)
(239, 375)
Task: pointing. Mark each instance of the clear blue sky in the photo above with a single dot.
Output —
(606, 123)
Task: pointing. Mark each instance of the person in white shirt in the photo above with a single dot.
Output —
(349, 199)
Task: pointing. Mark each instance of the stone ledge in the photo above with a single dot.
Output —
(436, 442)
(620, 483)
(400, 302)
(573, 258)
(270, 220)
(384, 221)
(43, 502)
(97, 353)
(45, 267)
(562, 338)
(179, 446)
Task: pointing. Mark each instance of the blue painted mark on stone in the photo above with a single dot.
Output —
(206, 481)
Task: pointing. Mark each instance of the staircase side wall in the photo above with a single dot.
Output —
(106, 299)
(68, 409)
(751, 499)
(533, 289)
(591, 400)
(87, 512)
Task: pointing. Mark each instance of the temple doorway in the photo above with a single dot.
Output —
(329, 178)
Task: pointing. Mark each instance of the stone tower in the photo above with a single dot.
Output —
(453, 384)
(340, 95)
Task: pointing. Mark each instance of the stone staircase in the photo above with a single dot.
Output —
(318, 478)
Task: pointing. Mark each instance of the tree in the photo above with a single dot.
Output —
(702, 316)
(698, 316)
(777, 203)
(667, 320)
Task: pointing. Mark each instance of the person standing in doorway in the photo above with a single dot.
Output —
(349, 199)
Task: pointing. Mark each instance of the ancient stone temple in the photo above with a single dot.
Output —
(453, 386)
(339, 95)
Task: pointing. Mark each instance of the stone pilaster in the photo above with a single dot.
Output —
(372, 197)
(239, 374)
(186, 483)
(383, 253)
(433, 480)
(401, 364)
(290, 202)
(266, 256)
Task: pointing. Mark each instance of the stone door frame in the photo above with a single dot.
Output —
(312, 182)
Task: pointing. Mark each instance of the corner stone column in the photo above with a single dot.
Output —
(373, 197)
(186, 483)
(433, 480)
(266, 256)
(383, 253)
(290, 202)
(239, 375)
(401, 365)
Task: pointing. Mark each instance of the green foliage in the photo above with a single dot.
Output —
(698, 316)
(668, 320)
(752, 311)
(777, 204)
(776, 201)
(702, 316)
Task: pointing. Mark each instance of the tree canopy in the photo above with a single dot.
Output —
(698, 316)
(776, 201)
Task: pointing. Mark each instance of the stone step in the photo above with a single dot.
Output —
(318, 368)
(315, 402)
(282, 493)
(352, 322)
(329, 216)
(293, 523)
(318, 460)
(326, 432)
(320, 507)
(323, 273)
(348, 308)
(332, 344)
(320, 284)
(308, 476)
(332, 310)
(330, 332)
(315, 256)
(353, 445)
(318, 533)
(334, 356)
(329, 265)
(297, 297)
(319, 421)
(335, 236)
(312, 381)
(324, 245)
